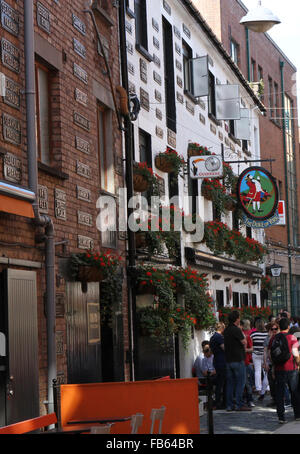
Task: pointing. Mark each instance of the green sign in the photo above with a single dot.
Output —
(258, 194)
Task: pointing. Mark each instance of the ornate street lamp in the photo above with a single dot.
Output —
(260, 19)
(275, 270)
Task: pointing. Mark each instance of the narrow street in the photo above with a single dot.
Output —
(262, 420)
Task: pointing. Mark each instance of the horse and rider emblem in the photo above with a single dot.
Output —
(257, 192)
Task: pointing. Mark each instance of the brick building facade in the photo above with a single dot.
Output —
(260, 58)
(79, 148)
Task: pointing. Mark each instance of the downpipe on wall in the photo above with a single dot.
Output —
(40, 220)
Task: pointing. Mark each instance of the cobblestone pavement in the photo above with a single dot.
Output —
(261, 420)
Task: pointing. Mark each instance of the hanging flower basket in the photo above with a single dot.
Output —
(169, 161)
(140, 239)
(94, 266)
(140, 183)
(143, 177)
(194, 149)
(230, 202)
(88, 273)
(206, 190)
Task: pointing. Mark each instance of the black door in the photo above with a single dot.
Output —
(83, 333)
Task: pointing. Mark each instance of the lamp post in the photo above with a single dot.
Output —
(260, 19)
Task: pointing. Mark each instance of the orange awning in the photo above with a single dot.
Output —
(16, 206)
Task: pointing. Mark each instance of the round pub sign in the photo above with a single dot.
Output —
(258, 194)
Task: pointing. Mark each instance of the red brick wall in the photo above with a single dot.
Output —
(14, 229)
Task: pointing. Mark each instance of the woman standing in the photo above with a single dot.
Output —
(258, 338)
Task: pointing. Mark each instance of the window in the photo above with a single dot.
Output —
(211, 94)
(106, 169)
(141, 37)
(187, 54)
(248, 232)
(253, 71)
(245, 145)
(231, 128)
(271, 105)
(145, 147)
(106, 164)
(245, 301)
(236, 299)
(277, 106)
(220, 299)
(234, 51)
(145, 154)
(254, 300)
(260, 77)
(43, 120)
(169, 75)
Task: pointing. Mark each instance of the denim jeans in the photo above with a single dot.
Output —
(220, 386)
(236, 379)
(290, 378)
(249, 381)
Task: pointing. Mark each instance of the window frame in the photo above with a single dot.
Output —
(234, 51)
(140, 11)
(38, 65)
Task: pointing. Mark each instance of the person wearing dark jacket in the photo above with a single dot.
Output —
(234, 347)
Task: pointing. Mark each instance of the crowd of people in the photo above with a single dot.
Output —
(248, 358)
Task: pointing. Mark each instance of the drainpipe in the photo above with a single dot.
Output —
(286, 184)
(40, 220)
(130, 193)
(248, 54)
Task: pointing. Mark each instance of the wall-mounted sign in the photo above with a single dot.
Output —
(281, 212)
(206, 167)
(270, 222)
(258, 194)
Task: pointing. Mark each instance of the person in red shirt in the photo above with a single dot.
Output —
(287, 374)
(248, 364)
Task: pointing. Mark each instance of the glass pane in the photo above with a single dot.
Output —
(243, 126)
(199, 75)
(227, 102)
(44, 116)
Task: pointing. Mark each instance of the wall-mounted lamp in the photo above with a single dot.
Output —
(260, 19)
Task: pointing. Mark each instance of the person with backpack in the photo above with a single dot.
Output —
(285, 358)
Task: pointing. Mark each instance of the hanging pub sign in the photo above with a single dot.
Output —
(258, 195)
(206, 167)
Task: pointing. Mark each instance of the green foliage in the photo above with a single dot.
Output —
(166, 317)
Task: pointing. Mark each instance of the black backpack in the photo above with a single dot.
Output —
(280, 352)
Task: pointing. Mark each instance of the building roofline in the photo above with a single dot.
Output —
(213, 38)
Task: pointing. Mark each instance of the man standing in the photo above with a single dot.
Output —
(286, 373)
(217, 347)
(234, 345)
